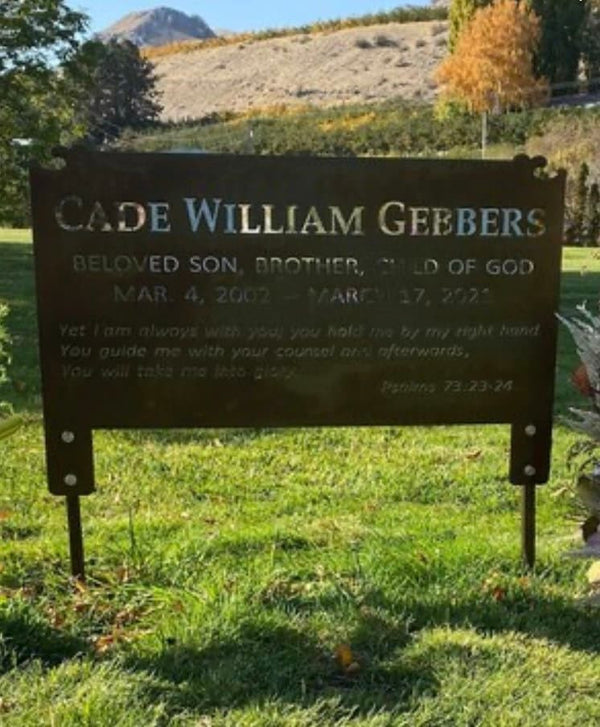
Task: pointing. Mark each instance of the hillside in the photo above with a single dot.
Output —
(157, 27)
(361, 64)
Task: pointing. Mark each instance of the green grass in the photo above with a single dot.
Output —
(226, 568)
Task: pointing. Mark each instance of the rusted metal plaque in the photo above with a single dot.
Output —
(200, 290)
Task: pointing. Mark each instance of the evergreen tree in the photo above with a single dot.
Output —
(590, 48)
(594, 214)
(561, 41)
(578, 233)
(116, 86)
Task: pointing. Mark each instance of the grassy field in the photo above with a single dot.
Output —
(297, 577)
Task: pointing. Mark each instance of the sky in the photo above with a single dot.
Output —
(240, 15)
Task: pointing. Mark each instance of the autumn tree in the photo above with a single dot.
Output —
(492, 65)
(569, 33)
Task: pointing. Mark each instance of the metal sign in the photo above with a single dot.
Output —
(200, 290)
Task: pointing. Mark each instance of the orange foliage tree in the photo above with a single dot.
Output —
(492, 65)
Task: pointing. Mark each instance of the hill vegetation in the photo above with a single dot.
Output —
(399, 15)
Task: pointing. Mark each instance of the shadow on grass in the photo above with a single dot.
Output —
(264, 661)
(25, 637)
(272, 662)
(554, 620)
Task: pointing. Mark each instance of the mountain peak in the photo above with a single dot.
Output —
(157, 26)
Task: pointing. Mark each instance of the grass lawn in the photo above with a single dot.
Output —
(298, 577)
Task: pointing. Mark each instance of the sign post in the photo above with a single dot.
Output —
(218, 291)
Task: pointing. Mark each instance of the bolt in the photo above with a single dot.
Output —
(67, 437)
(531, 430)
(530, 470)
(70, 480)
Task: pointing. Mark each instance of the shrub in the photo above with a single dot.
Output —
(383, 41)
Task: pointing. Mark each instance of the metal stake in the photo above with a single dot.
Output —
(528, 525)
(75, 537)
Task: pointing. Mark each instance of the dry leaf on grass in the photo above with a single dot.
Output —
(346, 660)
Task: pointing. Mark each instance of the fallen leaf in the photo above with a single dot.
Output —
(344, 656)
(5, 514)
(498, 594)
(475, 454)
(103, 643)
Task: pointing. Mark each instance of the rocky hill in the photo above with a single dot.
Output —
(355, 65)
(157, 27)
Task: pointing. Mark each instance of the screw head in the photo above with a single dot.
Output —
(70, 480)
(67, 437)
(531, 430)
(530, 470)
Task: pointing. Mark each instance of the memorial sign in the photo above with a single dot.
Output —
(200, 290)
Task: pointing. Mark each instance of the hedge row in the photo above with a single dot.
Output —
(389, 129)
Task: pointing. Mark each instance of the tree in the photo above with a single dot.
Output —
(33, 32)
(559, 53)
(564, 38)
(590, 46)
(594, 214)
(460, 14)
(34, 36)
(116, 88)
(578, 231)
(492, 65)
